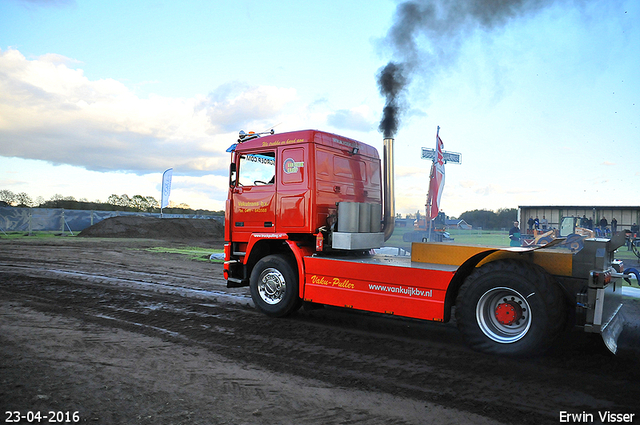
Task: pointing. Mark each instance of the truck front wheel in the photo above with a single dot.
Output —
(510, 307)
(274, 286)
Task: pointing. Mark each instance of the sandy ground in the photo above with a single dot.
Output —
(125, 336)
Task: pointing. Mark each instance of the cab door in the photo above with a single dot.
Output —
(293, 190)
(254, 194)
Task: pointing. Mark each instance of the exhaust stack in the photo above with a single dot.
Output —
(359, 223)
(389, 201)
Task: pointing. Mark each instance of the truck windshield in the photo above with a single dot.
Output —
(257, 169)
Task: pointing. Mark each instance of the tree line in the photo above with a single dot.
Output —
(491, 220)
(486, 219)
(136, 203)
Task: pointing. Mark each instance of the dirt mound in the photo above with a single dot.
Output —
(155, 228)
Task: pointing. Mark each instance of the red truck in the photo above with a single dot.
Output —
(306, 209)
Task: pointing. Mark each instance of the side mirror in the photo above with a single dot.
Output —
(232, 174)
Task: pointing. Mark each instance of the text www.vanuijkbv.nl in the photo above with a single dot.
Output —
(412, 292)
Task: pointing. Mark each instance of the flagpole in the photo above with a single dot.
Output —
(429, 198)
(429, 201)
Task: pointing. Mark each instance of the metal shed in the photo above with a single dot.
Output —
(626, 216)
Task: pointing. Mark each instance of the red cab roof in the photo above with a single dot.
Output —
(309, 136)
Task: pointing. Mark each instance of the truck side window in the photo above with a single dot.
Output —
(257, 169)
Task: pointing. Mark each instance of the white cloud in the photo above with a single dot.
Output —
(233, 106)
(357, 119)
(51, 112)
(55, 59)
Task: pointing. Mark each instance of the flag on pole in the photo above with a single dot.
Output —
(166, 187)
(436, 180)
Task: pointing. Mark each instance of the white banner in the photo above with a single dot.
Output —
(166, 187)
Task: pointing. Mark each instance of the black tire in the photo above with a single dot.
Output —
(274, 286)
(511, 308)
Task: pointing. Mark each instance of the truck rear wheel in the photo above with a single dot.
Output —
(510, 307)
(274, 286)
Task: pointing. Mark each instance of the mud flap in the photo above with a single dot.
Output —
(612, 330)
(608, 319)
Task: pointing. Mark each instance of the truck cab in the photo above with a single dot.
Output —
(288, 187)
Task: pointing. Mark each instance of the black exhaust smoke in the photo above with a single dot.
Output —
(391, 82)
(426, 37)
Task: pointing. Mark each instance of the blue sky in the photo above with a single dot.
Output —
(101, 97)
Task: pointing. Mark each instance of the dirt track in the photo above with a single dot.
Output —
(126, 336)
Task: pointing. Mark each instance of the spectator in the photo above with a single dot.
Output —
(530, 223)
(536, 223)
(514, 235)
(603, 223)
(544, 223)
(584, 221)
(614, 225)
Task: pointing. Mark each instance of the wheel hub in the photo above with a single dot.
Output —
(503, 315)
(508, 313)
(272, 286)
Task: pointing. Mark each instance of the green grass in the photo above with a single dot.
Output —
(493, 238)
(191, 252)
(626, 256)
